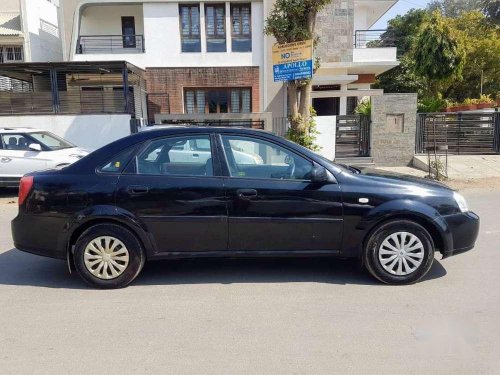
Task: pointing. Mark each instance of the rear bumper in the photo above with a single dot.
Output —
(39, 235)
(464, 229)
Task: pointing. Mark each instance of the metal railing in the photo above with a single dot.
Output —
(95, 44)
(460, 133)
(374, 38)
(11, 54)
(65, 102)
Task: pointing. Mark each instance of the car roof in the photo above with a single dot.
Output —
(7, 130)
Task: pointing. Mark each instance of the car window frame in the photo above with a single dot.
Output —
(26, 136)
(225, 162)
(131, 168)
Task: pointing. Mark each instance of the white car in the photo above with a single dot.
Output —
(24, 150)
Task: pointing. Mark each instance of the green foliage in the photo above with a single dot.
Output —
(431, 104)
(364, 107)
(290, 21)
(438, 53)
(304, 135)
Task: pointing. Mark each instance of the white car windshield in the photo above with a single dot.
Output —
(50, 140)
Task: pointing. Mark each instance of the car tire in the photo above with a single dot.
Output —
(399, 252)
(108, 256)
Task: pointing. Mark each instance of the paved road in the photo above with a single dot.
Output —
(254, 316)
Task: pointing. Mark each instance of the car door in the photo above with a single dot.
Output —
(181, 202)
(272, 203)
(17, 159)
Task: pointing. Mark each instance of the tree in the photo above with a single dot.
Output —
(438, 53)
(293, 21)
(453, 8)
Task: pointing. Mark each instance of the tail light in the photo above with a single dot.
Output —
(24, 188)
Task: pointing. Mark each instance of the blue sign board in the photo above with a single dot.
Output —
(293, 70)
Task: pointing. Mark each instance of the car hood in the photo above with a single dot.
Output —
(402, 178)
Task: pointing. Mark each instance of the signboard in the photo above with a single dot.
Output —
(293, 61)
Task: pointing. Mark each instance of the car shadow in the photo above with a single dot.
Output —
(18, 268)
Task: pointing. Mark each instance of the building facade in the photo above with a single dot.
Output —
(30, 31)
(211, 58)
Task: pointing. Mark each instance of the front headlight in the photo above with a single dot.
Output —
(461, 202)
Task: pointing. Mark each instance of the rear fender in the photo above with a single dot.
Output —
(107, 213)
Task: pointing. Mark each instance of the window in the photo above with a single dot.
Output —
(128, 32)
(11, 53)
(326, 106)
(16, 142)
(190, 28)
(256, 158)
(51, 141)
(215, 23)
(241, 32)
(218, 100)
(118, 163)
(177, 156)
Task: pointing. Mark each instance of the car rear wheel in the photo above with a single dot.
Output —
(108, 256)
(399, 252)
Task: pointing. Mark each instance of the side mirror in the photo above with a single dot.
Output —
(319, 174)
(35, 147)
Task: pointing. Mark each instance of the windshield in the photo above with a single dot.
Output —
(50, 140)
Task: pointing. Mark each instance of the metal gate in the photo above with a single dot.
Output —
(352, 136)
(463, 133)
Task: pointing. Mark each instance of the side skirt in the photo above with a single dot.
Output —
(244, 254)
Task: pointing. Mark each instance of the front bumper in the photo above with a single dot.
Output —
(464, 229)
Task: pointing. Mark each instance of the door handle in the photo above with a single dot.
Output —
(196, 155)
(137, 189)
(6, 159)
(246, 193)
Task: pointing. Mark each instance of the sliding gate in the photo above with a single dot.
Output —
(463, 133)
(352, 136)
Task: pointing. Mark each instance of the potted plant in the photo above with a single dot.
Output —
(484, 101)
(470, 104)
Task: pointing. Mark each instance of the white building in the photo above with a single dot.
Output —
(29, 31)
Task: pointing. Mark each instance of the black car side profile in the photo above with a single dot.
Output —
(230, 192)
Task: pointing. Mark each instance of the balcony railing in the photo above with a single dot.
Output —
(374, 38)
(11, 54)
(104, 44)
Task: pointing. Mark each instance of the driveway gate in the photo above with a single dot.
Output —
(352, 136)
(463, 133)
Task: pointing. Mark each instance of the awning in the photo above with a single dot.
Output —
(10, 24)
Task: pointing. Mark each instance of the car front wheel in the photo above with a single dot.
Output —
(108, 256)
(399, 252)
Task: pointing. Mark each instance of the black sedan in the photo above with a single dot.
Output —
(230, 192)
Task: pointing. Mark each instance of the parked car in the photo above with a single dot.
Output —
(110, 212)
(24, 150)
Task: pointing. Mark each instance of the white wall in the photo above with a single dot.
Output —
(42, 32)
(326, 125)
(374, 54)
(88, 131)
(107, 19)
(163, 43)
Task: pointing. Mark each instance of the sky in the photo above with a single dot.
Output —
(401, 7)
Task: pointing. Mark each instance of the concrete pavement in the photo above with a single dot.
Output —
(269, 316)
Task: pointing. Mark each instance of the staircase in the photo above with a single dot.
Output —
(356, 161)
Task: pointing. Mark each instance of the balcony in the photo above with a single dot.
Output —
(11, 54)
(110, 44)
(374, 39)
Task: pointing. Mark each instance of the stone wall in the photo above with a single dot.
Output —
(335, 25)
(393, 127)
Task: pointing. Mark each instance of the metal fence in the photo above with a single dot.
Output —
(66, 102)
(374, 38)
(88, 44)
(462, 133)
(352, 136)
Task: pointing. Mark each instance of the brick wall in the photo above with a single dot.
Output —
(173, 81)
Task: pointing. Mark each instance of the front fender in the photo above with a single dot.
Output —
(411, 209)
